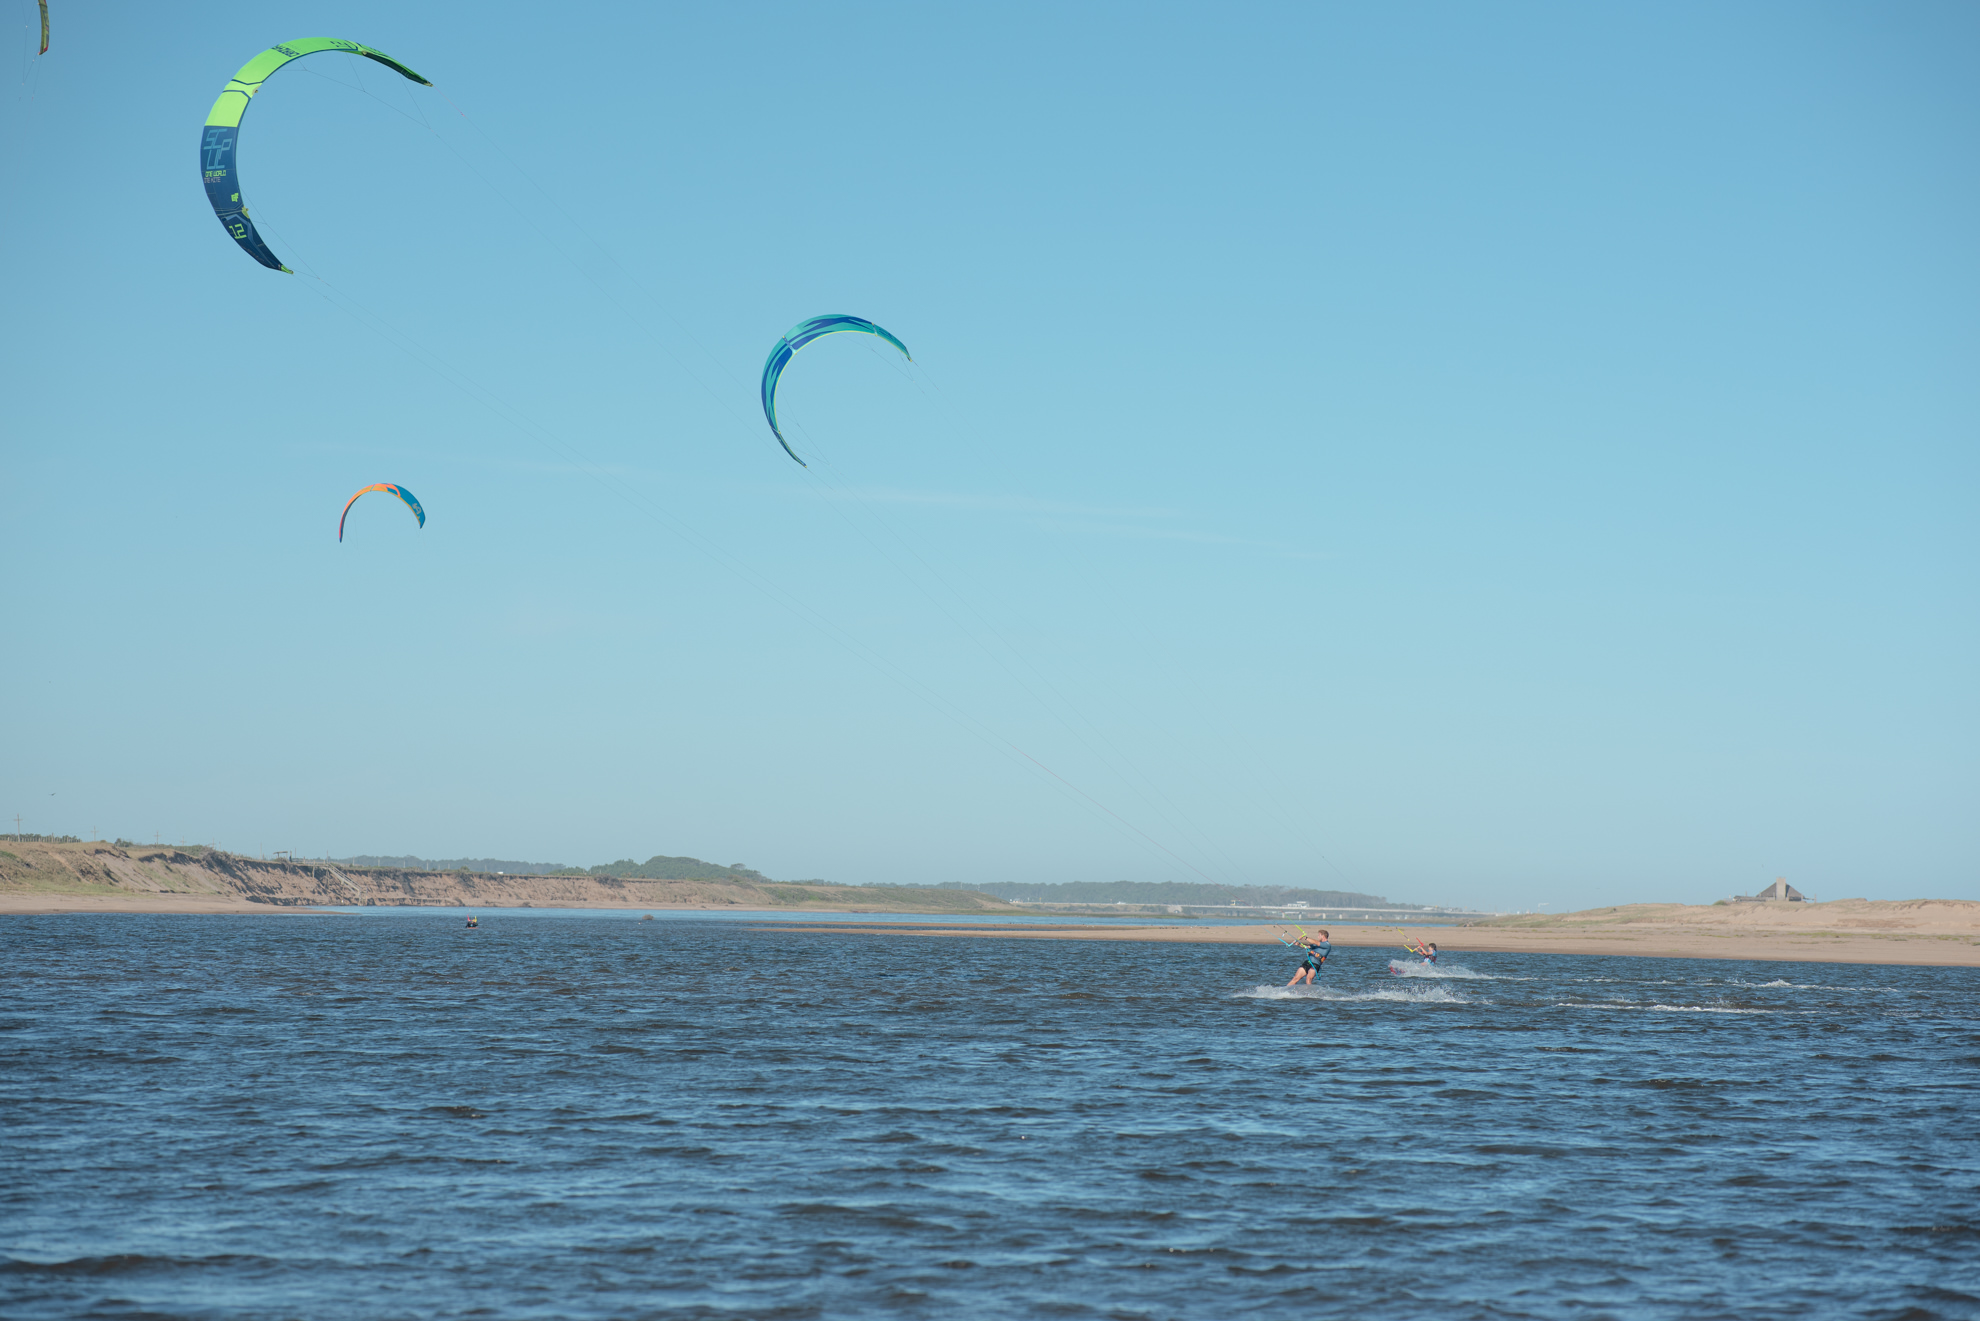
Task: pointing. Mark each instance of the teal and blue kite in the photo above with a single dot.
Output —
(796, 338)
(221, 133)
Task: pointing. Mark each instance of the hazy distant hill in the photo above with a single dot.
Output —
(653, 869)
(677, 869)
(1172, 892)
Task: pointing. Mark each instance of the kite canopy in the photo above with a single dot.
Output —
(796, 338)
(223, 126)
(44, 27)
(399, 491)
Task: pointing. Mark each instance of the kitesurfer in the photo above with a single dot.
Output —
(1428, 953)
(1316, 949)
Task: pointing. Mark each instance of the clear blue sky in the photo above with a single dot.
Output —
(1502, 455)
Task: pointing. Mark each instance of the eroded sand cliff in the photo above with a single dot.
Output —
(41, 877)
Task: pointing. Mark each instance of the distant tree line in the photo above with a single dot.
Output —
(1174, 892)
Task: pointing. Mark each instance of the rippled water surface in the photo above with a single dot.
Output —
(583, 1115)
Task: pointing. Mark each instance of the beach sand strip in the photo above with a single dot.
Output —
(1929, 949)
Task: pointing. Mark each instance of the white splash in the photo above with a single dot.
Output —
(1706, 1009)
(1449, 971)
(1782, 982)
(1407, 995)
(1664, 1009)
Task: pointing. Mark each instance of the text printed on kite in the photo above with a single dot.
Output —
(796, 338)
(399, 491)
(220, 135)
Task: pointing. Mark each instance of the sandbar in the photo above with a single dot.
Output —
(1946, 940)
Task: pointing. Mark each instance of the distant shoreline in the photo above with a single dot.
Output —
(1918, 933)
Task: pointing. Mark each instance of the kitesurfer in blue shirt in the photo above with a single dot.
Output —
(1316, 950)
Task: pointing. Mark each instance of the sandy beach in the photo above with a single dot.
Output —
(1924, 932)
(26, 904)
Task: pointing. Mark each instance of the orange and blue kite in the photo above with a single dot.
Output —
(399, 491)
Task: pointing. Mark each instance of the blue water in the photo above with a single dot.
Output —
(323, 1117)
(787, 916)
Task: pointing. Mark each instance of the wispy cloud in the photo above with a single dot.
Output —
(1143, 533)
(1152, 523)
(1010, 504)
(472, 459)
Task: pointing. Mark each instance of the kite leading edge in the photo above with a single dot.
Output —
(399, 491)
(796, 338)
(220, 135)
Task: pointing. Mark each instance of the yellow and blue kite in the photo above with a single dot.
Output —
(221, 133)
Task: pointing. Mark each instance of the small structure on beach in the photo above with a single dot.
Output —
(1779, 892)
